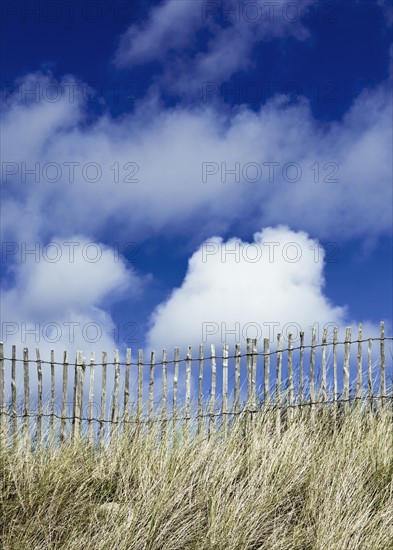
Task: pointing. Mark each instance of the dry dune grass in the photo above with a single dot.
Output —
(314, 486)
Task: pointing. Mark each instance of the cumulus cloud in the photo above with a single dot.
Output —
(168, 170)
(235, 289)
(60, 296)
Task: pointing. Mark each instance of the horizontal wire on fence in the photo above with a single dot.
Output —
(194, 359)
(246, 410)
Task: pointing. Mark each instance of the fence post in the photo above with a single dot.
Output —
(52, 398)
(236, 397)
(369, 373)
(103, 396)
(151, 390)
(39, 397)
(301, 370)
(126, 402)
(26, 411)
(213, 389)
(324, 382)
(91, 397)
(188, 390)
(266, 372)
(312, 372)
(347, 350)
(290, 379)
(335, 383)
(2, 394)
(13, 397)
(200, 391)
(359, 380)
(254, 358)
(164, 395)
(278, 383)
(225, 389)
(115, 397)
(175, 382)
(64, 398)
(383, 369)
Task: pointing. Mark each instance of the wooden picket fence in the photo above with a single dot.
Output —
(53, 422)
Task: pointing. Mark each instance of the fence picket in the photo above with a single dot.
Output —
(225, 389)
(382, 390)
(103, 397)
(347, 351)
(26, 412)
(213, 389)
(39, 397)
(359, 365)
(91, 397)
(200, 391)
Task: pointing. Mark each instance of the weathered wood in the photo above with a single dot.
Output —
(312, 371)
(347, 351)
(301, 369)
(359, 366)
(225, 355)
(188, 389)
(151, 389)
(52, 398)
(335, 382)
(39, 397)
(164, 395)
(175, 383)
(236, 397)
(126, 401)
(91, 398)
(2, 392)
(63, 421)
(278, 382)
(369, 373)
(213, 389)
(13, 396)
(77, 396)
(382, 390)
(26, 411)
(115, 396)
(254, 359)
(140, 384)
(82, 371)
(104, 361)
(200, 391)
(266, 372)
(249, 375)
(324, 381)
(290, 378)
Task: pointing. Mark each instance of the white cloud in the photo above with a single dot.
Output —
(63, 304)
(232, 29)
(274, 284)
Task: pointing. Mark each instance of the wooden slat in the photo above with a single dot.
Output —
(77, 396)
(369, 373)
(188, 390)
(82, 371)
(213, 389)
(126, 401)
(254, 360)
(249, 376)
(164, 395)
(140, 384)
(39, 397)
(225, 389)
(301, 369)
(382, 390)
(266, 372)
(200, 391)
(115, 396)
(175, 383)
(2, 392)
(151, 389)
(278, 382)
(13, 395)
(52, 397)
(64, 398)
(359, 380)
(91, 398)
(312, 370)
(347, 351)
(104, 361)
(236, 397)
(324, 381)
(26, 411)
(335, 382)
(290, 378)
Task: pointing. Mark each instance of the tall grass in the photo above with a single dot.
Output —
(316, 485)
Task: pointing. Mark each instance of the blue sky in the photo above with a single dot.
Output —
(164, 133)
